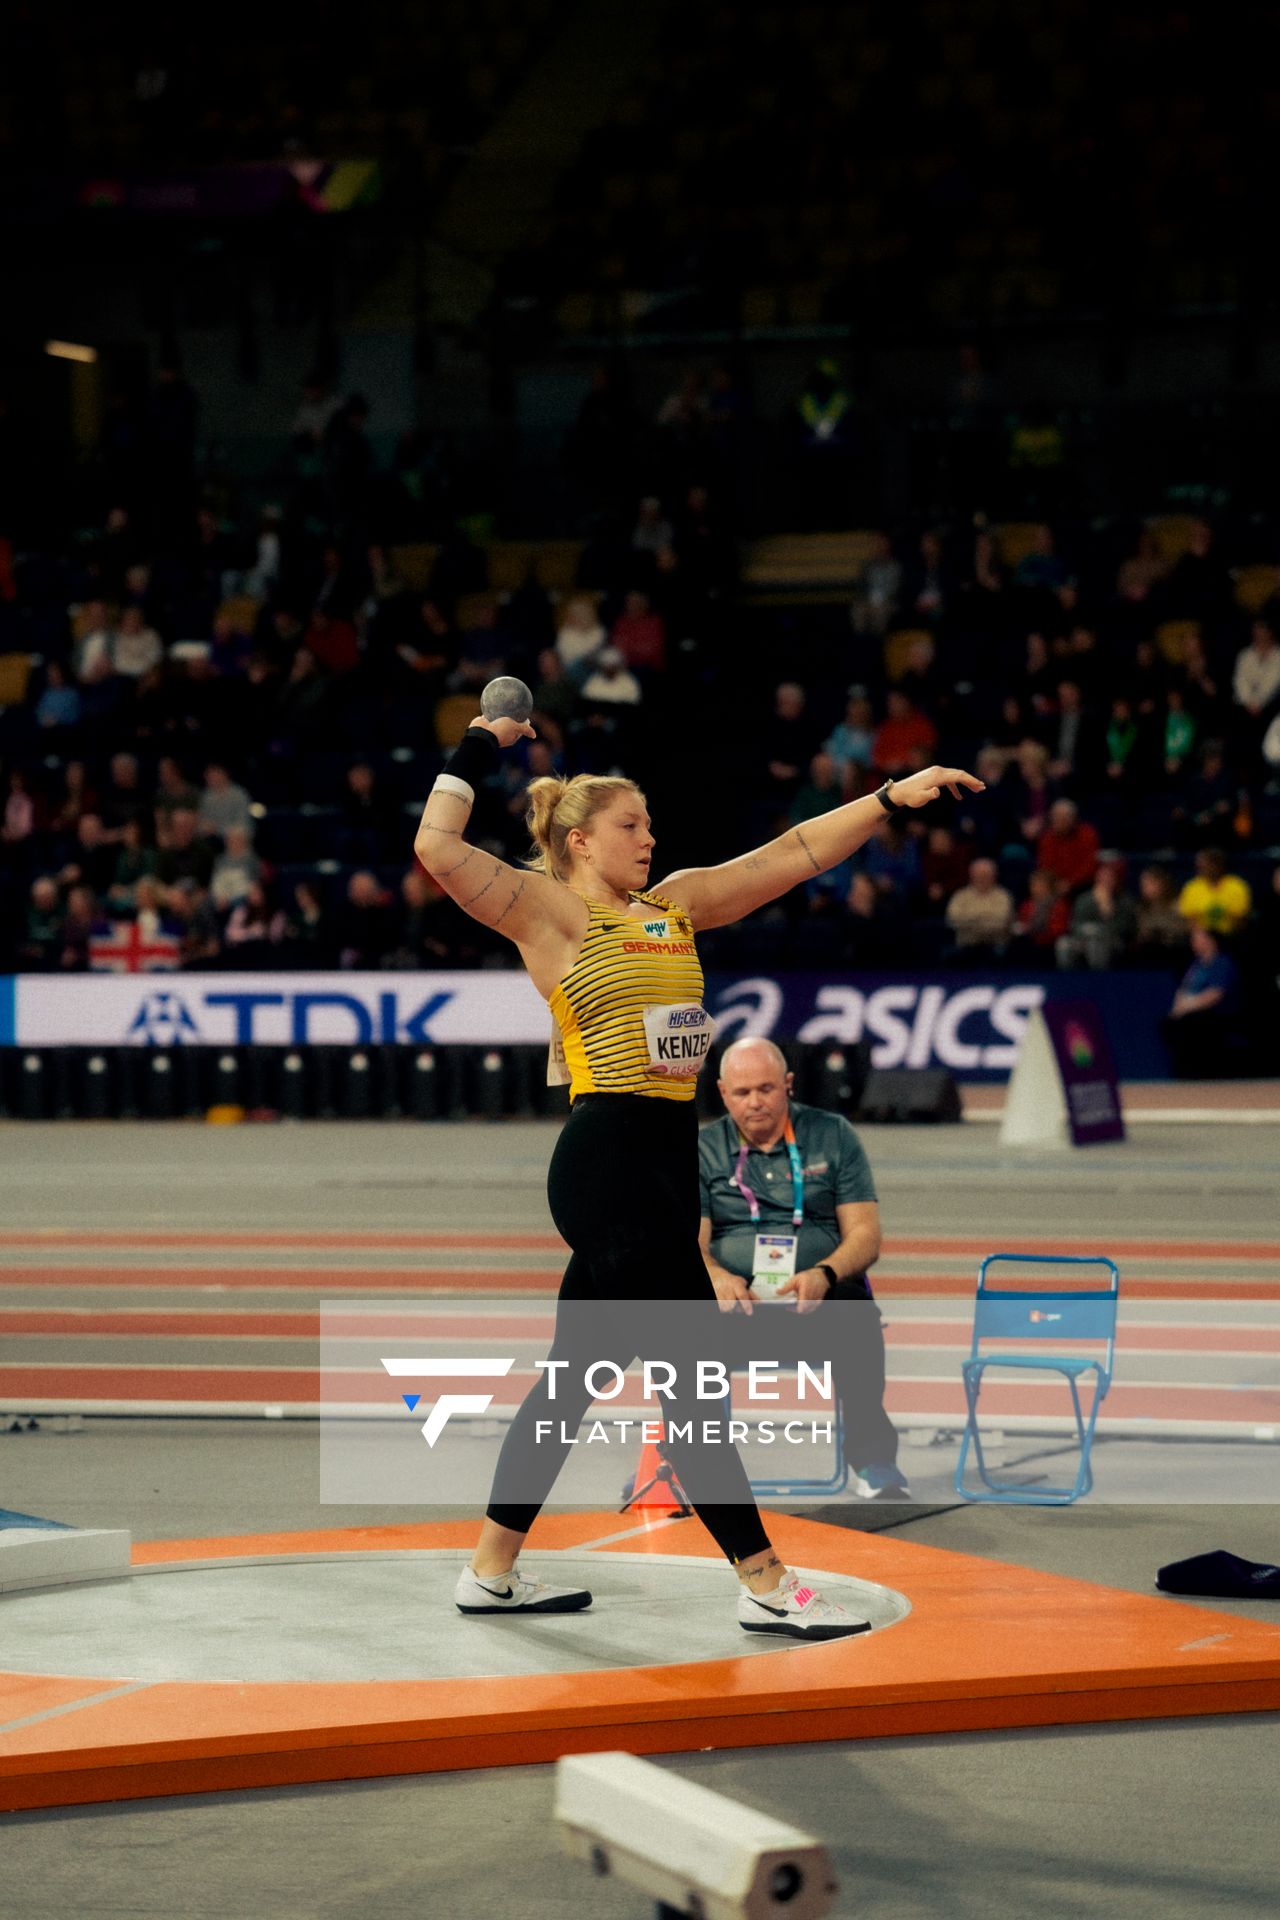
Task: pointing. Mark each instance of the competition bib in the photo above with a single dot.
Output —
(678, 1039)
(558, 1074)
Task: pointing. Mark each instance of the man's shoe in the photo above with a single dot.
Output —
(879, 1483)
(797, 1613)
(514, 1592)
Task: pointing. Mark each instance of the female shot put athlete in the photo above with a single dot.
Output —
(617, 962)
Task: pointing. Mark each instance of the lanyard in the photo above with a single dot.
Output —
(797, 1179)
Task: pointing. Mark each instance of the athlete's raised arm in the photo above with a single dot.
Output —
(523, 906)
(715, 896)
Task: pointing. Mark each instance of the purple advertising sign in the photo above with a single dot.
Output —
(1088, 1072)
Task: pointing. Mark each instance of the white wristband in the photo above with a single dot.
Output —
(450, 783)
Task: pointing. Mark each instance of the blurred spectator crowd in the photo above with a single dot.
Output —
(217, 728)
(834, 161)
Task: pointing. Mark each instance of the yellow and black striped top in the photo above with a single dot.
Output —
(630, 1007)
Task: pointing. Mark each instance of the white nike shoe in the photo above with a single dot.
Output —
(514, 1592)
(797, 1613)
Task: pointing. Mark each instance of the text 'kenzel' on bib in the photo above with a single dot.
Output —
(679, 1040)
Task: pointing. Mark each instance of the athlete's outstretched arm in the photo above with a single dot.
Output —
(513, 902)
(715, 896)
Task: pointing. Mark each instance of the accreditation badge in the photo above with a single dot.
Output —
(773, 1263)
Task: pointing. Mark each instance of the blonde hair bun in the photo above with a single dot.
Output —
(545, 795)
(557, 806)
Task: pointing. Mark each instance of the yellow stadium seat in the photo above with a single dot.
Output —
(1015, 540)
(509, 564)
(897, 649)
(580, 594)
(85, 619)
(558, 564)
(864, 543)
(414, 564)
(633, 304)
(453, 716)
(1172, 532)
(242, 609)
(15, 675)
(473, 609)
(1255, 585)
(1172, 637)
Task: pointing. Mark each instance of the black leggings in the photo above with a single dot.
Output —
(623, 1188)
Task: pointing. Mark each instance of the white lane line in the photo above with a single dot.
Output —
(628, 1533)
(639, 1410)
(74, 1706)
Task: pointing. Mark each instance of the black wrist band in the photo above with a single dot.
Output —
(882, 795)
(832, 1276)
(475, 756)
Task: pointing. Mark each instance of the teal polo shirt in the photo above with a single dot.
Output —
(835, 1170)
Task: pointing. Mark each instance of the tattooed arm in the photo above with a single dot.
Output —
(715, 896)
(526, 907)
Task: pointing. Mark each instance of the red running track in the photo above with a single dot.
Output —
(411, 1239)
(50, 1387)
(52, 1384)
(942, 1335)
(543, 1280)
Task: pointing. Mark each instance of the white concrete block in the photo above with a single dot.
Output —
(44, 1557)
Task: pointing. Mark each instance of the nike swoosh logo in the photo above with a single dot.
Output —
(508, 1595)
(779, 1613)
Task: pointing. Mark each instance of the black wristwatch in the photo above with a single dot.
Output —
(832, 1275)
(882, 795)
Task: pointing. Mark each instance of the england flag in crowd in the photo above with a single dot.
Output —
(143, 945)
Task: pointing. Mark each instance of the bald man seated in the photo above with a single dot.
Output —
(790, 1218)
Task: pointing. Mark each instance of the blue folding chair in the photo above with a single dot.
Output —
(1003, 1313)
(835, 1482)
